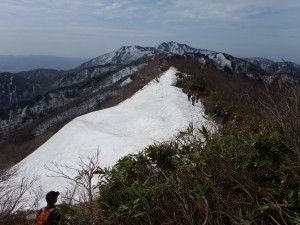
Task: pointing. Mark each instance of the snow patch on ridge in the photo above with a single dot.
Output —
(221, 60)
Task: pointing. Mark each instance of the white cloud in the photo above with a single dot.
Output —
(188, 9)
(225, 10)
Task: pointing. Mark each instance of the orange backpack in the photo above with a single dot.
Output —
(44, 217)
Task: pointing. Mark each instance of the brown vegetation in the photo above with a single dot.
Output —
(234, 91)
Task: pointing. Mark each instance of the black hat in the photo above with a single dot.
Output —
(52, 194)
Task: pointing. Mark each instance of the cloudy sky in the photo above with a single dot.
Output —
(89, 28)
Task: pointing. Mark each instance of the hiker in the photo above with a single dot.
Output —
(49, 214)
(235, 122)
(225, 116)
(193, 100)
(189, 94)
(217, 112)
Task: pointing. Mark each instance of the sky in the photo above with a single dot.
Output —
(154, 114)
(89, 28)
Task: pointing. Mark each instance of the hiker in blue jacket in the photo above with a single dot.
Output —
(51, 209)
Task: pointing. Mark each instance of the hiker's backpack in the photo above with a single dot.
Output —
(44, 217)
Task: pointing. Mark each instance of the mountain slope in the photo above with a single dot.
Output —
(155, 113)
(15, 89)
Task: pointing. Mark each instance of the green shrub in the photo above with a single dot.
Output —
(238, 176)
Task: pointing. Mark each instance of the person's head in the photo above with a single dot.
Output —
(51, 197)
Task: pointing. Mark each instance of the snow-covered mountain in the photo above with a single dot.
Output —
(173, 48)
(156, 113)
(129, 54)
(264, 63)
(252, 67)
(123, 55)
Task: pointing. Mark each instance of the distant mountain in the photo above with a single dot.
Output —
(14, 64)
(45, 77)
(252, 67)
(275, 68)
(18, 87)
(129, 54)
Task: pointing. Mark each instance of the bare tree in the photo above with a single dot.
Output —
(12, 192)
(281, 104)
(83, 189)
